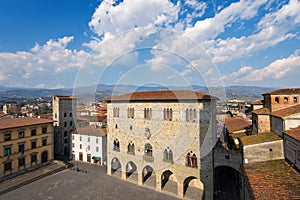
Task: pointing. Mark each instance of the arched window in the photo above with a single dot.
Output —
(286, 100)
(277, 99)
(187, 115)
(148, 156)
(116, 145)
(191, 160)
(145, 113)
(165, 114)
(65, 114)
(295, 99)
(168, 155)
(130, 148)
(170, 115)
(194, 115)
(116, 126)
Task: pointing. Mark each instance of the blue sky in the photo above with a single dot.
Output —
(55, 44)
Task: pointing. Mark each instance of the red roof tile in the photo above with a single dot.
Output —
(257, 102)
(161, 95)
(20, 122)
(285, 91)
(294, 133)
(262, 111)
(287, 111)
(272, 180)
(236, 124)
(91, 130)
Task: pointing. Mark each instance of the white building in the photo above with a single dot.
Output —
(89, 145)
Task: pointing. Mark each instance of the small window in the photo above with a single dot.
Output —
(7, 166)
(33, 158)
(97, 140)
(89, 139)
(44, 130)
(71, 123)
(227, 157)
(7, 137)
(7, 151)
(276, 99)
(55, 115)
(44, 142)
(73, 145)
(21, 134)
(286, 100)
(80, 138)
(33, 132)
(97, 149)
(116, 126)
(65, 114)
(65, 133)
(89, 147)
(71, 114)
(21, 162)
(73, 137)
(33, 144)
(65, 124)
(66, 141)
(21, 148)
(116, 145)
(80, 146)
(295, 99)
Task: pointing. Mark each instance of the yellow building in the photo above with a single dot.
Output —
(25, 143)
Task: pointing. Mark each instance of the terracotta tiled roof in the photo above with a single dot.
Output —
(272, 180)
(287, 111)
(20, 122)
(97, 118)
(257, 102)
(91, 130)
(259, 138)
(161, 95)
(262, 111)
(236, 124)
(65, 97)
(286, 91)
(294, 133)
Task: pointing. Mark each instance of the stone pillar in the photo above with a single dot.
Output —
(123, 168)
(109, 168)
(140, 178)
(180, 190)
(158, 182)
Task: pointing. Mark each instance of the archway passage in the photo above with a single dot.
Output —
(131, 171)
(149, 177)
(169, 182)
(227, 183)
(44, 157)
(193, 188)
(116, 167)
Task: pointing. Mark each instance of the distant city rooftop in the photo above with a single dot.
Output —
(285, 91)
(272, 180)
(22, 121)
(259, 138)
(164, 95)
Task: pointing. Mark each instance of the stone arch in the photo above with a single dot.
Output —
(148, 176)
(116, 167)
(193, 188)
(227, 182)
(169, 181)
(131, 169)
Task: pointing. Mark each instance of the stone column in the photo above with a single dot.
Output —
(180, 190)
(140, 178)
(158, 182)
(123, 168)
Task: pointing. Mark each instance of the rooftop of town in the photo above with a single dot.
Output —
(259, 138)
(21, 122)
(272, 180)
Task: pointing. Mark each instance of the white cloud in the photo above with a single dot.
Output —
(41, 61)
(272, 29)
(278, 69)
(129, 14)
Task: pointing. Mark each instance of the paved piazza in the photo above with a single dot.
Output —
(91, 182)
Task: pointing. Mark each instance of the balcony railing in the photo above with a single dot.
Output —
(148, 158)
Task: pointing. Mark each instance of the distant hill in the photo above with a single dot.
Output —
(248, 93)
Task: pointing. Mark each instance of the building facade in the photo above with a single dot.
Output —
(163, 139)
(64, 115)
(26, 143)
(89, 145)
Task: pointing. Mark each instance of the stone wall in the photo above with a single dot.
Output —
(263, 151)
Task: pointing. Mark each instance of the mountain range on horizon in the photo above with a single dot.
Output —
(248, 93)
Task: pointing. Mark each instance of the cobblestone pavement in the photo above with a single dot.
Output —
(31, 176)
(83, 181)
